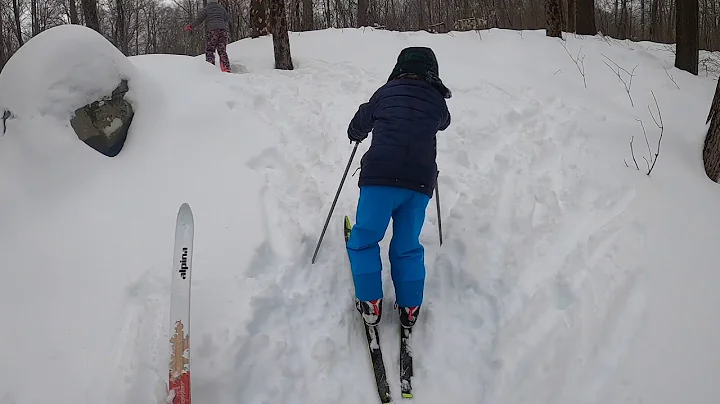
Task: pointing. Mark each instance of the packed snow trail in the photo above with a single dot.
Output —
(544, 288)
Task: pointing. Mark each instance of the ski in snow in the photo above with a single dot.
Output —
(179, 366)
(373, 341)
(406, 362)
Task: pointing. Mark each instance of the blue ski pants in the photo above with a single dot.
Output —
(376, 206)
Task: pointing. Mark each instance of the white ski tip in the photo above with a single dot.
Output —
(185, 210)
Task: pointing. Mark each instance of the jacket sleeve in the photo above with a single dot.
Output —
(445, 123)
(364, 119)
(200, 18)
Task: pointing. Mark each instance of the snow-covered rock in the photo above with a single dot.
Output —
(103, 125)
(62, 71)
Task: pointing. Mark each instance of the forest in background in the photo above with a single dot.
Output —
(156, 26)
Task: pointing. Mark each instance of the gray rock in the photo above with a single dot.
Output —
(104, 124)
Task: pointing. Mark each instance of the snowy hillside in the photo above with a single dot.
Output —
(565, 276)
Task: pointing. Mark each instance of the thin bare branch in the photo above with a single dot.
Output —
(672, 79)
(579, 61)
(626, 84)
(662, 130)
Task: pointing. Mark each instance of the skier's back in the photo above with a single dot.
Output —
(397, 179)
(217, 29)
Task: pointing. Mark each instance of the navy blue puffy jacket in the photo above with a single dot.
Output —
(404, 116)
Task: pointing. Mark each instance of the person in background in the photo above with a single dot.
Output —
(217, 29)
(397, 179)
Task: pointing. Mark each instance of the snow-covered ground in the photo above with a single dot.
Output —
(565, 276)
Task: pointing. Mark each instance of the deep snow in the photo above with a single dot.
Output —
(565, 277)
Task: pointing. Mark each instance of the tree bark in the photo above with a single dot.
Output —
(18, 29)
(281, 39)
(687, 35)
(258, 18)
(585, 17)
(711, 149)
(623, 23)
(34, 18)
(297, 20)
(73, 12)
(421, 14)
(654, 20)
(2, 38)
(89, 8)
(572, 15)
(642, 20)
(120, 26)
(554, 18)
(308, 20)
(362, 13)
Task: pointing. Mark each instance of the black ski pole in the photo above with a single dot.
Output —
(337, 194)
(437, 202)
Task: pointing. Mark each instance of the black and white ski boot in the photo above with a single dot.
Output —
(371, 311)
(408, 315)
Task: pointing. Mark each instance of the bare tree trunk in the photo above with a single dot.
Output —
(90, 13)
(308, 20)
(572, 13)
(18, 29)
(73, 12)
(554, 18)
(715, 36)
(642, 20)
(281, 39)
(34, 18)
(2, 37)
(328, 20)
(622, 23)
(421, 14)
(654, 20)
(711, 149)
(616, 20)
(362, 13)
(585, 17)
(120, 27)
(687, 35)
(258, 18)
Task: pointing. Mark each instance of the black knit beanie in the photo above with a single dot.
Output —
(420, 61)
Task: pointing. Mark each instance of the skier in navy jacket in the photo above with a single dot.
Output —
(397, 179)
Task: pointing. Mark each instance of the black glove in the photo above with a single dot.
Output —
(356, 136)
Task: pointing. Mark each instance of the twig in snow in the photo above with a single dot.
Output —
(671, 78)
(579, 61)
(645, 134)
(602, 37)
(632, 153)
(653, 158)
(662, 130)
(628, 83)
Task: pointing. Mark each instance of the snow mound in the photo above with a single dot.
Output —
(60, 70)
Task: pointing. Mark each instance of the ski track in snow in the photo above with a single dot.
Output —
(533, 214)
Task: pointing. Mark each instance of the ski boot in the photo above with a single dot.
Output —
(371, 311)
(408, 315)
